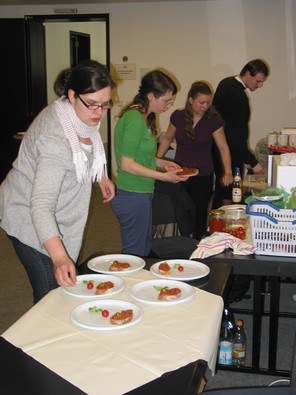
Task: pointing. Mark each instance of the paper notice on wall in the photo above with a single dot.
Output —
(125, 71)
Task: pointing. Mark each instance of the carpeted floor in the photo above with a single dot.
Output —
(102, 234)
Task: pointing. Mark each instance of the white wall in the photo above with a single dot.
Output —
(59, 55)
(207, 40)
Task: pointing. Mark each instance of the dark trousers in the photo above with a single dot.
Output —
(200, 189)
(38, 266)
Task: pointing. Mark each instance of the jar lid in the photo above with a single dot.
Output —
(217, 212)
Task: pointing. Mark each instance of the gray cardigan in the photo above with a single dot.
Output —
(41, 197)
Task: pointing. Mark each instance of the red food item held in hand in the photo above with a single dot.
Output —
(187, 171)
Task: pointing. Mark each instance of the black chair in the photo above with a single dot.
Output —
(173, 206)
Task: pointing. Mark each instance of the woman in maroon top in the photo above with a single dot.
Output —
(195, 128)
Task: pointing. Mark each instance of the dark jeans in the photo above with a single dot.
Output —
(38, 266)
(134, 213)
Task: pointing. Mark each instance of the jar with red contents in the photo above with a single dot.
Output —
(217, 221)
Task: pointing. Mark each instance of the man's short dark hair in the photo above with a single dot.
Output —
(254, 67)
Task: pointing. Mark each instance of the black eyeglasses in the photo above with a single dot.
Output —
(104, 106)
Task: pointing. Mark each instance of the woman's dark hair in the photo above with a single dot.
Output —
(254, 67)
(156, 82)
(87, 77)
(197, 88)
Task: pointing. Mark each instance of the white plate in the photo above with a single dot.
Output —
(146, 293)
(192, 270)
(191, 175)
(102, 263)
(80, 289)
(83, 318)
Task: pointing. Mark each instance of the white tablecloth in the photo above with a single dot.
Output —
(114, 362)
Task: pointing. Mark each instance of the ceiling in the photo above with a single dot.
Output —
(61, 2)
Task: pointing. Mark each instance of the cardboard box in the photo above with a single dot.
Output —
(289, 131)
(283, 176)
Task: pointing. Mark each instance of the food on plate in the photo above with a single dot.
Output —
(89, 284)
(179, 267)
(164, 268)
(167, 294)
(94, 309)
(122, 317)
(105, 313)
(117, 266)
(104, 287)
(187, 171)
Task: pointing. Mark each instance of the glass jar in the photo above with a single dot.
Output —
(217, 221)
(236, 221)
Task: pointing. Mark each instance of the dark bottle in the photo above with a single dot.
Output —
(239, 345)
(225, 345)
(237, 187)
(228, 317)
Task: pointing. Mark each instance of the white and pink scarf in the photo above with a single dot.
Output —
(74, 128)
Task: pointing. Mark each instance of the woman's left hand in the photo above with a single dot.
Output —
(169, 165)
(107, 188)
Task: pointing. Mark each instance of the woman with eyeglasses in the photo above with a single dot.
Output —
(137, 166)
(195, 128)
(44, 199)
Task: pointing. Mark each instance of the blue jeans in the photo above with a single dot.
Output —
(38, 266)
(134, 213)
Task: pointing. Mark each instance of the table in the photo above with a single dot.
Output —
(22, 374)
(34, 378)
(167, 339)
(263, 269)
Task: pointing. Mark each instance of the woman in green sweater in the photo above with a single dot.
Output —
(135, 149)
